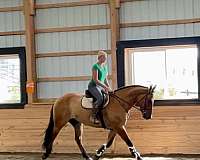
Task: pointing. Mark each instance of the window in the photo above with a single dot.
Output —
(173, 68)
(12, 78)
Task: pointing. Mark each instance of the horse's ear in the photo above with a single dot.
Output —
(150, 89)
(153, 88)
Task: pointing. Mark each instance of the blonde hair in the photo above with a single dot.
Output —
(102, 53)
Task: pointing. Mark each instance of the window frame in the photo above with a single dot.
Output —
(122, 45)
(20, 51)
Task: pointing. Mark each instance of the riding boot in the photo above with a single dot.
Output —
(93, 118)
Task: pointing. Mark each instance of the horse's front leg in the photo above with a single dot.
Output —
(123, 134)
(101, 150)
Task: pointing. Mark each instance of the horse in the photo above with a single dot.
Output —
(68, 109)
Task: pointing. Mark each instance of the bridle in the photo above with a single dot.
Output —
(122, 102)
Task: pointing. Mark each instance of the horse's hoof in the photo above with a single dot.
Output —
(140, 158)
(44, 156)
(96, 157)
(89, 158)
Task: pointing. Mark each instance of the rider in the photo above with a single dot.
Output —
(99, 83)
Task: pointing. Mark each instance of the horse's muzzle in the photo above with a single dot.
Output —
(146, 115)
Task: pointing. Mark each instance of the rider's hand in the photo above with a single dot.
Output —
(107, 89)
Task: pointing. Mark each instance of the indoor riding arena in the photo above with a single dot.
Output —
(47, 51)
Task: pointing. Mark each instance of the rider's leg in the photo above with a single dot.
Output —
(95, 90)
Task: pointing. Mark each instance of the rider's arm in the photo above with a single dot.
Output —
(107, 83)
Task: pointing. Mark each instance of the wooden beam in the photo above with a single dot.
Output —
(12, 33)
(107, 26)
(115, 36)
(32, 7)
(71, 4)
(117, 3)
(30, 46)
(123, 1)
(70, 29)
(61, 54)
(61, 79)
(11, 9)
(114, 18)
(158, 23)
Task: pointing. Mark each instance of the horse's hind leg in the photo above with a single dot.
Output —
(78, 137)
(101, 150)
(50, 145)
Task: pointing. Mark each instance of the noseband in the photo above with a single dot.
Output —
(122, 102)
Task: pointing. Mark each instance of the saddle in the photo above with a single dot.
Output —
(88, 99)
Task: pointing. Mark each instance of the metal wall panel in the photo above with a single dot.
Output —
(72, 16)
(10, 3)
(11, 21)
(12, 41)
(67, 66)
(157, 10)
(57, 89)
(73, 41)
(89, 40)
(163, 31)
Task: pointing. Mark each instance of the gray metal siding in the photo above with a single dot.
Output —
(57, 89)
(10, 3)
(157, 10)
(88, 40)
(73, 41)
(12, 41)
(67, 66)
(11, 21)
(72, 16)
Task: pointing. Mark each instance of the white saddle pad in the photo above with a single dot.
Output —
(87, 102)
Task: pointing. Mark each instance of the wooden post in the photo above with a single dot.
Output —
(115, 33)
(115, 36)
(29, 12)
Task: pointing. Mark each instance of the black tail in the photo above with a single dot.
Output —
(48, 132)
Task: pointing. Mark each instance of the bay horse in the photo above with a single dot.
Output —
(68, 109)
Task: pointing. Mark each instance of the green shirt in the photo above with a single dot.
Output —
(102, 72)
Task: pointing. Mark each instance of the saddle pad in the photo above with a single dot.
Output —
(87, 103)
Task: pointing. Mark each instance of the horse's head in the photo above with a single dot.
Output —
(144, 101)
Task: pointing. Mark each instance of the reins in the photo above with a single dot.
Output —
(120, 100)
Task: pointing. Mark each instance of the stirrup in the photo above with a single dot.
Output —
(94, 120)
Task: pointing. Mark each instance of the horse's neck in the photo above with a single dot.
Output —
(124, 94)
(130, 93)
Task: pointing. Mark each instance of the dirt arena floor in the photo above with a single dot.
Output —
(36, 156)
